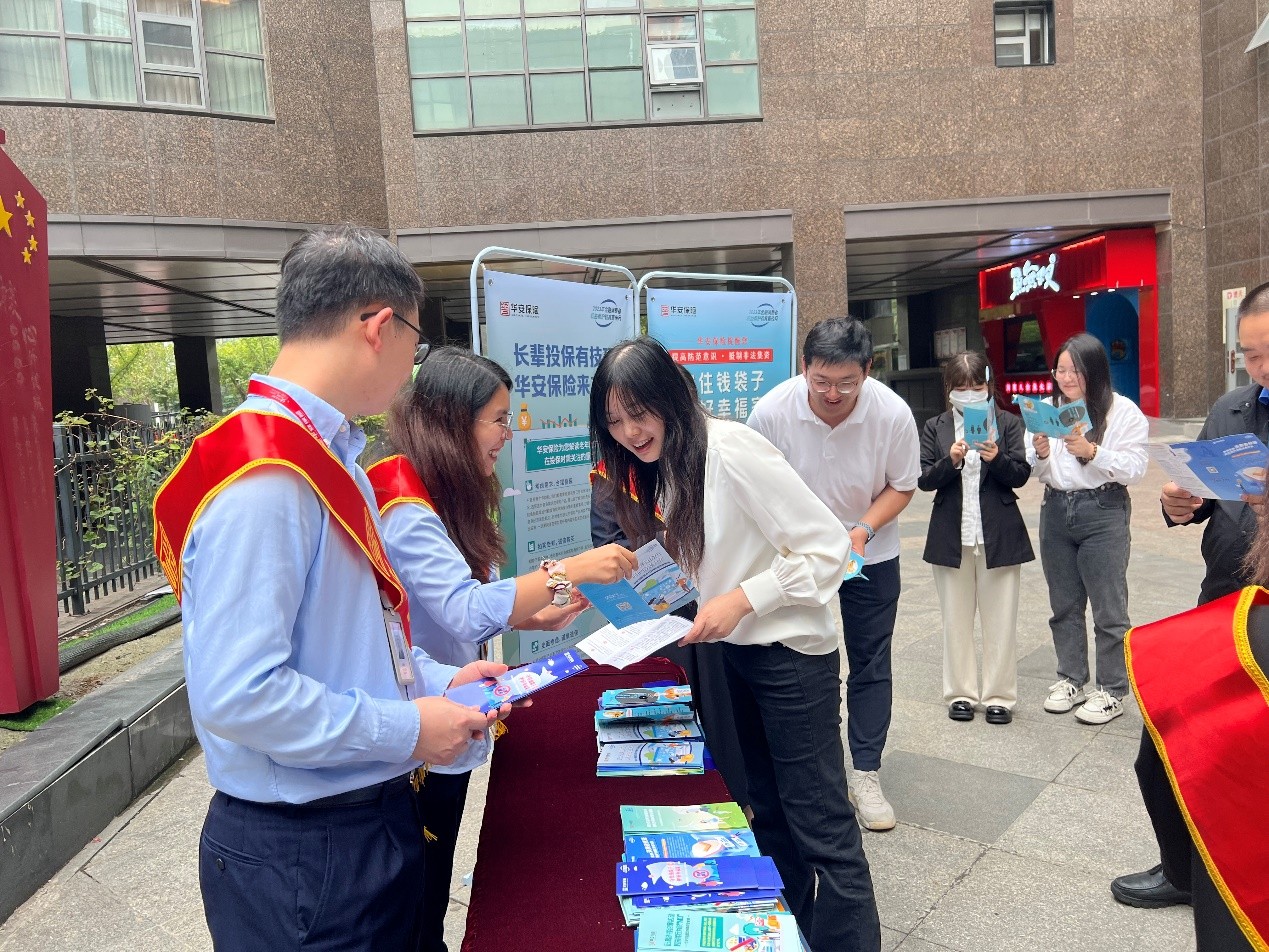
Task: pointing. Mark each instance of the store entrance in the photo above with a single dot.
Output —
(1113, 319)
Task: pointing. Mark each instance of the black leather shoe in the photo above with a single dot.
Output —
(998, 715)
(1148, 890)
(960, 711)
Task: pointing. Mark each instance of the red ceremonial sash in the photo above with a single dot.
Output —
(600, 472)
(395, 481)
(243, 441)
(1205, 702)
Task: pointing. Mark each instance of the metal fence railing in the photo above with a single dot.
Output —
(106, 477)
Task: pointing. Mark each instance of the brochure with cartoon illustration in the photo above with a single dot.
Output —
(657, 713)
(662, 900)
(685, 876)
(1225, 468)
(518, 683)
(627, 732)
(678, 930)
(661, 758)
(638, 697)
(649, 846)
(1042, 417)
(730, 903)
(657, 588)
(692, 818)
(980, 423)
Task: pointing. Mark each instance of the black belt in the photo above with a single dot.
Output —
(1097, 491)
(354, 797)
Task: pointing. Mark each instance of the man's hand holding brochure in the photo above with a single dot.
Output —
(1230, 468)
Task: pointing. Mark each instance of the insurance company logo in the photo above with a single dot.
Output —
(511, 308)
(606, 313)
(763, 314)
(673, 310)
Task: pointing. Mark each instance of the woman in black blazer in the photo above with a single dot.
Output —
(976, 542)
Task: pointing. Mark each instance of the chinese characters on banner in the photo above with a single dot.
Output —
(28, 553)
(736, 344)
(550, 336)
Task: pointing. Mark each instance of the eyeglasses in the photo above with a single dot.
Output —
(844, 389)
(424, 347)
(1059, 373)
(502, 421)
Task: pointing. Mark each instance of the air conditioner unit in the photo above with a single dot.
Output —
(674, 63)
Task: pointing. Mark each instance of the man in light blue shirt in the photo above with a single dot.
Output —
(309, 733)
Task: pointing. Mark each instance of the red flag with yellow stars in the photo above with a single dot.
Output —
(28, 549)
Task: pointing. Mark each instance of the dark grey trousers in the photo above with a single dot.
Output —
(1084, 546)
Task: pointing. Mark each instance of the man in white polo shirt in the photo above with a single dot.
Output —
(854, 441)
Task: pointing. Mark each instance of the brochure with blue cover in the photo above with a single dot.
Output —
(980, 423)
(657, 587)
(640, 697)
(518, 683)
(653, 712)
(662, 900)
(1225, 468)
(691, 818)
(663, 758)
(1040, 416)
(628, 732)
(632, 914)
(649, 846)
(674, 930)
(685, 876)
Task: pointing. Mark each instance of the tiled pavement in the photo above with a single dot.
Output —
(1007, 837)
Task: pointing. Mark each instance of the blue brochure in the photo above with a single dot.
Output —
(1225, 468)
(692, 818)
(657, 588)
(688, 877)
(980, 423)
(1042, 417)
(649, 846)
(661, 900)
(669, 930)
(640, 697)
(655, 712)
(518, 683)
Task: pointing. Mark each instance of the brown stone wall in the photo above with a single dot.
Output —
(865, 101)
(320, 161)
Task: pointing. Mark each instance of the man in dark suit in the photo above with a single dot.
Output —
(1231, 526)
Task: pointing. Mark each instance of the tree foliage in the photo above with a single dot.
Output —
(143, 373)
(239, 358)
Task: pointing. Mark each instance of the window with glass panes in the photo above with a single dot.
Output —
(188, 54)
(510, 64)
(1024, 34)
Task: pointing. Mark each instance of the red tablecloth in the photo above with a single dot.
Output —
(545, 867)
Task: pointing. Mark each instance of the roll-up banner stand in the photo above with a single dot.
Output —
(550, 336)
(737, 344)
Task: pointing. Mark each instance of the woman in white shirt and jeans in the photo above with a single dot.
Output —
(767, 557)
(1084, 532)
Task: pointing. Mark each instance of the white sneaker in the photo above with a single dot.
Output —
(1099, 708)
(871, 806)
(1062, 697)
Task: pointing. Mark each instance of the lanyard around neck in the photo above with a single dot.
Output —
(258, 388)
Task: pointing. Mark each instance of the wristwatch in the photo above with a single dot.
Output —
(867, 528)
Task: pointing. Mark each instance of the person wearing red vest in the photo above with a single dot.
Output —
(312, 708)
(436, 499)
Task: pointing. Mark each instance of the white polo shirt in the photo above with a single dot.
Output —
(849, 465)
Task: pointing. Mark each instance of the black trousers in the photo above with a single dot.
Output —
(869, 609)
(788, 710)
(1214, 926)
(277, 877)
(441, 801)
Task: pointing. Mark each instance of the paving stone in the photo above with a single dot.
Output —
(913, 944)
(1010, 903)
(912, 868)
(73, 913)
(1105, 763)
(965, 801)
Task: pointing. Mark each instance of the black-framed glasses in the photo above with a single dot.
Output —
(422, 350)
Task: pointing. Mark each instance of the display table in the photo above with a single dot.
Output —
(545, 873)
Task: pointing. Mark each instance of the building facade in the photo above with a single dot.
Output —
(878, 153)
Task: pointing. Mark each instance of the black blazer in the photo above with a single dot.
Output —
(1004, 532)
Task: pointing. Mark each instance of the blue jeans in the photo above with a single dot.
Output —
(788, 712)
(869, 609)
(1084, 546)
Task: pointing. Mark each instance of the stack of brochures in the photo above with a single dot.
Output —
(700, 858)
(648, 732)
(671, 929)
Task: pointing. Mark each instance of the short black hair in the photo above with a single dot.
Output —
(838, 340)
(1256, 301)
(330, 271)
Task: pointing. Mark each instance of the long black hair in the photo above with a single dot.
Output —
(1089, 357)
(432, 423)
(642, 377)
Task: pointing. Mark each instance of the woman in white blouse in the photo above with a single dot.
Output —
(767, 557)
(1084, 533)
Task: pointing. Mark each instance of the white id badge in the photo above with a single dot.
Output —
(402, 660)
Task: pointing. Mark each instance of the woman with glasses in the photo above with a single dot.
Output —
(1084, 530)
(439, 502)
(977, 540)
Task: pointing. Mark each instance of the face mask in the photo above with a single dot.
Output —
(963, 398)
